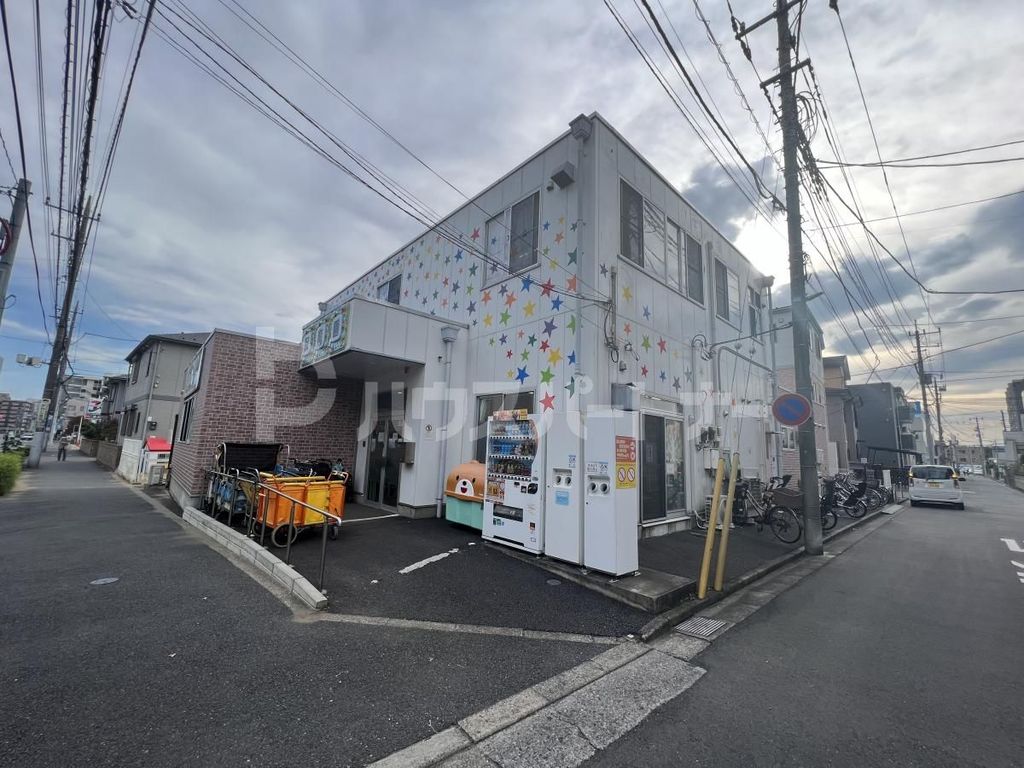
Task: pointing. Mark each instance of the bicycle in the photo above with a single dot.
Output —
(782, 521)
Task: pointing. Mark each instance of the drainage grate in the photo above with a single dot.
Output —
(700, 626)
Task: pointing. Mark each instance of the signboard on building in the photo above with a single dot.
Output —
(325, 337)
(625, 462)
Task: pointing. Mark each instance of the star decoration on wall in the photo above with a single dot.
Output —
(643, 370)
(503, 290)
(627, 329)
(545, 346)
(571, 325)
(510, 299)
(476, 234)
(570, 284)
(604, 270)
(662, 376)
(549, 327)
(627, 293)
(548, 401)
(554, 356)
(521, 374)
(646, 343)
(473, 268)
(486, 297)
(524, 355)
(471, 308)
(572, 358)
(547, 287)
(556, 304)
(662, 345)
(508, 354)
(528, 309)
(527, 284)
(647, 312)
(571, 386)
(488, 320)
(505, 317)
(546, 376)
(503, 339)
(532, 341)
(572, 255)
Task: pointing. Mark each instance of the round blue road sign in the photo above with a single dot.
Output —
(792, 409)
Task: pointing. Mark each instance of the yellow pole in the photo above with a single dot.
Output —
(726, 522)
(709, 540)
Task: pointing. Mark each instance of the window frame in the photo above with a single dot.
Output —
(721, 290)
(185, 423)
(679, 257)
(390, 284)
(492, 275)
(755, 314)
(534, 250)
(688, 267)
(624, 250)
(790, 439)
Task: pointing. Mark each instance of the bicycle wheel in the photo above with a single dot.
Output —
(828, 520)
(785, 525)
(857, 510)
(700, 517)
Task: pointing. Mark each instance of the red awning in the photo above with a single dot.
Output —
(157, 445)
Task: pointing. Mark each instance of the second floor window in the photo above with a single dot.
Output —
(523, 234)
(754, 309)
(391, 291)
(631, 224)
(694, 270)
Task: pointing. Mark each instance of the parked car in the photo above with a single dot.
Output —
(977, 469)
(935, 484)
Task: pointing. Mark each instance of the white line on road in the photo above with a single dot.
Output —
(368, 519)
(1012, 545)
(428, 561)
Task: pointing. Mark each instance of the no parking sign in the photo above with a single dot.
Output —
(625, 462)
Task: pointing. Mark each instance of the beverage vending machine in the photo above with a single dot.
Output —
(514, 486)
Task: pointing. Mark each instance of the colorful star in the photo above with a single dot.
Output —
(572, 357)
(527, 284)
(455, 287)
(559, 238)
(503, 339)
(508, 354)
(510, 299)
(661, 345)
(472, 268)
(476, 234)
(646, 343)
(546, 375)
(661, 375)
(554, 356)
(521, 374)
(532, 341)
(675, 382)
(524, 355)
(445, 282)
(545, 345)
(520, 333)
(528, 308)
(627, 293)
(604, 270)
(647, 312)
(503, 290)
(571, 386)
(573, 226)
(572, 255)
(547, 287)
(488, 320)
(458, 255)
(547, 225)
(556, 304)
(548, 402)
(549, 327)
(627, 329)
(570, 284)
(510, 374)
(505, 317)
(643, 370)
(571, 325)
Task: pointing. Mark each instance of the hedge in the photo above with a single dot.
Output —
(10, 468)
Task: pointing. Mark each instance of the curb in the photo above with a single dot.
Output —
(253, 554)
(663, 621)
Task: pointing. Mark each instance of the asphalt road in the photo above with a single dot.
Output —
(904, 651)
(186, 661)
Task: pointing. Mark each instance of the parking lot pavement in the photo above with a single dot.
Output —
(185, 660)
(433, 570)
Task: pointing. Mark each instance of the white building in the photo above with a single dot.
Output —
(579, 280)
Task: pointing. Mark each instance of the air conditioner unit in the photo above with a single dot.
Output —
(721, 506)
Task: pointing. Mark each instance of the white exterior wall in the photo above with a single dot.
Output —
(522, 335)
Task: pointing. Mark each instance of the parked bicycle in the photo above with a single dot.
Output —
(754, 503)
(843, 495)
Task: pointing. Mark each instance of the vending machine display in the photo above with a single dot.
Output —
(514, 492)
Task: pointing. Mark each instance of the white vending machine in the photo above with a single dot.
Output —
(514, 489)
(563, 499)
(611, 517)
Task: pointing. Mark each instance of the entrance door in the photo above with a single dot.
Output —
(383, 463)
(662, 477)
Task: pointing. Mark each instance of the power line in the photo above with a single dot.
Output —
(896, 164)
(932, 210)
(24, 167)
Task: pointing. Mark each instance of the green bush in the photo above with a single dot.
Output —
(10, 468)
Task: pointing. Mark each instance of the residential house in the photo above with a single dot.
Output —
(782, 320)
(579, 280)
(884, 435)
(842, 413)
(152, 396)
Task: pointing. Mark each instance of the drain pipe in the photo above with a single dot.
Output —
(766, 283)
(448, 335)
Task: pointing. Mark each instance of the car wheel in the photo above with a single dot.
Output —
(960, 506)
(914, 503)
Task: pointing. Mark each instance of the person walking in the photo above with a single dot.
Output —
(62, 448)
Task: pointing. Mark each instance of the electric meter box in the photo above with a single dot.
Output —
(611, 480)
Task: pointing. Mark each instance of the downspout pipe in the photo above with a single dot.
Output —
(448, 335)
(767, 283)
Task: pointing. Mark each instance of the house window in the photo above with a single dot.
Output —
(721, 290)
(654, 240)
(631, 218)
(789, 441)
(186, 420)
(674, 256)
(391, 291)
(694, 270)
(754, 310)
(488, 405)
(149, 361)
(524, 233)
(735, 315)
(135, 369)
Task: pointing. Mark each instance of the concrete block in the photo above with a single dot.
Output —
(486, 722)
(563, 684)
(680, 646)
(426, 752)
(308, 594)
(468, 758)
(543, 740)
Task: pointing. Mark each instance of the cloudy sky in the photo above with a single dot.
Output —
(216, 217)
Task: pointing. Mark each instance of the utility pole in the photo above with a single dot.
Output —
(938, 421)
(11, 246)
(923, 379)
(1002, 416)
(798, 284)
(789, 122)
(977, 428)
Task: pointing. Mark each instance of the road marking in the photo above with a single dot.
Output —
(1012, 545)
(428, 561)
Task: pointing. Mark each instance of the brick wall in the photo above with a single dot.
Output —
(250, 390)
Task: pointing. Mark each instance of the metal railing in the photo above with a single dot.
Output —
(256, 508)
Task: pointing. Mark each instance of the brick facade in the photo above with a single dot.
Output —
(250, 390)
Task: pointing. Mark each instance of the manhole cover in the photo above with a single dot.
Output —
(104, 580)
(700, 626)
(554, 582)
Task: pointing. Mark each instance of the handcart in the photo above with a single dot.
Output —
(285, 506)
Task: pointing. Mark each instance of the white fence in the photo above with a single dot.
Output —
(131, 457)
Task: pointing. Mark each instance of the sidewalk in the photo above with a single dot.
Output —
(186, 660)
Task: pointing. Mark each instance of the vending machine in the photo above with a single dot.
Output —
(514, 488)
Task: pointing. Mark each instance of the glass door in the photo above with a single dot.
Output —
(662, 475)
(383, 456)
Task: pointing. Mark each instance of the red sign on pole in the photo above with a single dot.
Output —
(792, 409)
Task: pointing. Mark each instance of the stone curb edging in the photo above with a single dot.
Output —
(669, 618)
(252, 553)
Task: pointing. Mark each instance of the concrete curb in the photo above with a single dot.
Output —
(253, 554)
(576, 703)
(664, 621)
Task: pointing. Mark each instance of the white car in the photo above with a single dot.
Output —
(977, 469)
(935, 484)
